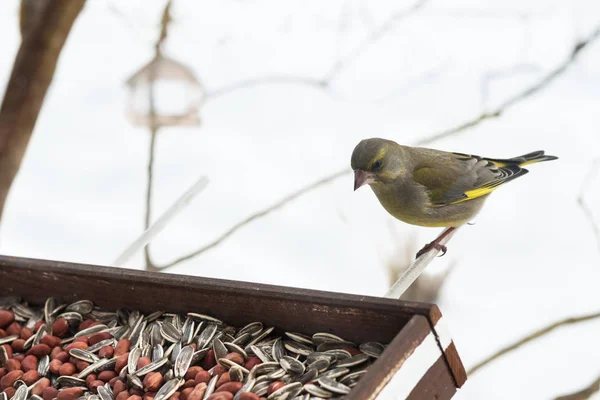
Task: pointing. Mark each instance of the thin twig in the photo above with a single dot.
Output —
(332, 73)
(154, 128)
(593, 171)
(533, 336)
(251, 218)
(343, 63)
(584, 393)
(267, 80)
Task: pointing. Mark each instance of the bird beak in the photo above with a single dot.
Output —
(362, 178)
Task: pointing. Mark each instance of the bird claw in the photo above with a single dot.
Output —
(432, 245)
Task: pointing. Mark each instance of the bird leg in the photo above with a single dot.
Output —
(436, 243)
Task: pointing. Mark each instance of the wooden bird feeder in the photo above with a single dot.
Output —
(164, 92)
(420, 362)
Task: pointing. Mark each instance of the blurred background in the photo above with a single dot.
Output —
(267, 98)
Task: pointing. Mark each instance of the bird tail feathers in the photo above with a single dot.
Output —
(525, 159)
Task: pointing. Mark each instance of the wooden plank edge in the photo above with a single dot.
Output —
(437, 383)
(375, 383)
(190, 282)
(447, 346)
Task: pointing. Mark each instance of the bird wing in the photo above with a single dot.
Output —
(451, 178)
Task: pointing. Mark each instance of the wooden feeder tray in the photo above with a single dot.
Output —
(420, 362)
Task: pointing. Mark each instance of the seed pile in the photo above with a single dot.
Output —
(79, 351)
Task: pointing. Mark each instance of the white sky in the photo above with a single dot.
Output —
(531, 257)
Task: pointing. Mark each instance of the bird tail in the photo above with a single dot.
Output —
(525, 159)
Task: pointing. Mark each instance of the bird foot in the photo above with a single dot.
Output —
(430, 246)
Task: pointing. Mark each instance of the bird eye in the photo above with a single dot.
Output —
(376, 165)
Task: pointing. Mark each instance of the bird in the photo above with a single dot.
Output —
(433, 188)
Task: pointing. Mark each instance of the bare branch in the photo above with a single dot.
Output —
(582, 203)
(540, 85)
(584, 393)
(531, 337)
(267, 80)
(340, 65)
(42, 42)
(253, 217)
(336, 69)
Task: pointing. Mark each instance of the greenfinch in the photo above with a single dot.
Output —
(433, 188)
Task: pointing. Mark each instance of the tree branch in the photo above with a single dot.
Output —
(251, 218)
(43, 38)
(336, 69)
(584, 393)
(533, 336)
(593, 171)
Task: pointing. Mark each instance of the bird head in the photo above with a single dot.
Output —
(376, 161)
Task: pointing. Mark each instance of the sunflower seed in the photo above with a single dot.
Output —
(266, 368)
(352, 377)
(91, 330)
(168, 389)
(320, 364)
(204, 317)
(258, 352)
(322, 337)
(43, 330)
(199, 355)
(188, 331)
(261, 388)
(247, 387)
(3, 355)
(300, 338)
(182, 363)
(158, 352)
(253, 328)
(69, 381)
(230, 364)
(212, 384)
(297, 348)
(206, 336)
(334, 373)
(3, 395)
(133, 358)
(372, 349)
(153, 366)
(353, 361)
(310, 375)
(21, 393)
(339, 354)
(317, 391)
(277, 351)
(83, 355)
(134, 381)
(104, 393)
(260, 336)
(43, 365)
(175, 349)
(8, 339)
(71, 317)
(236, 374)
(292, 365)
(219, 349)
(82, 307)
(334, 345)
(333, 385)
(277, 374)
(170, 332)
(242, 340)
(153, 316)
(106, 342)
(289, 390)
